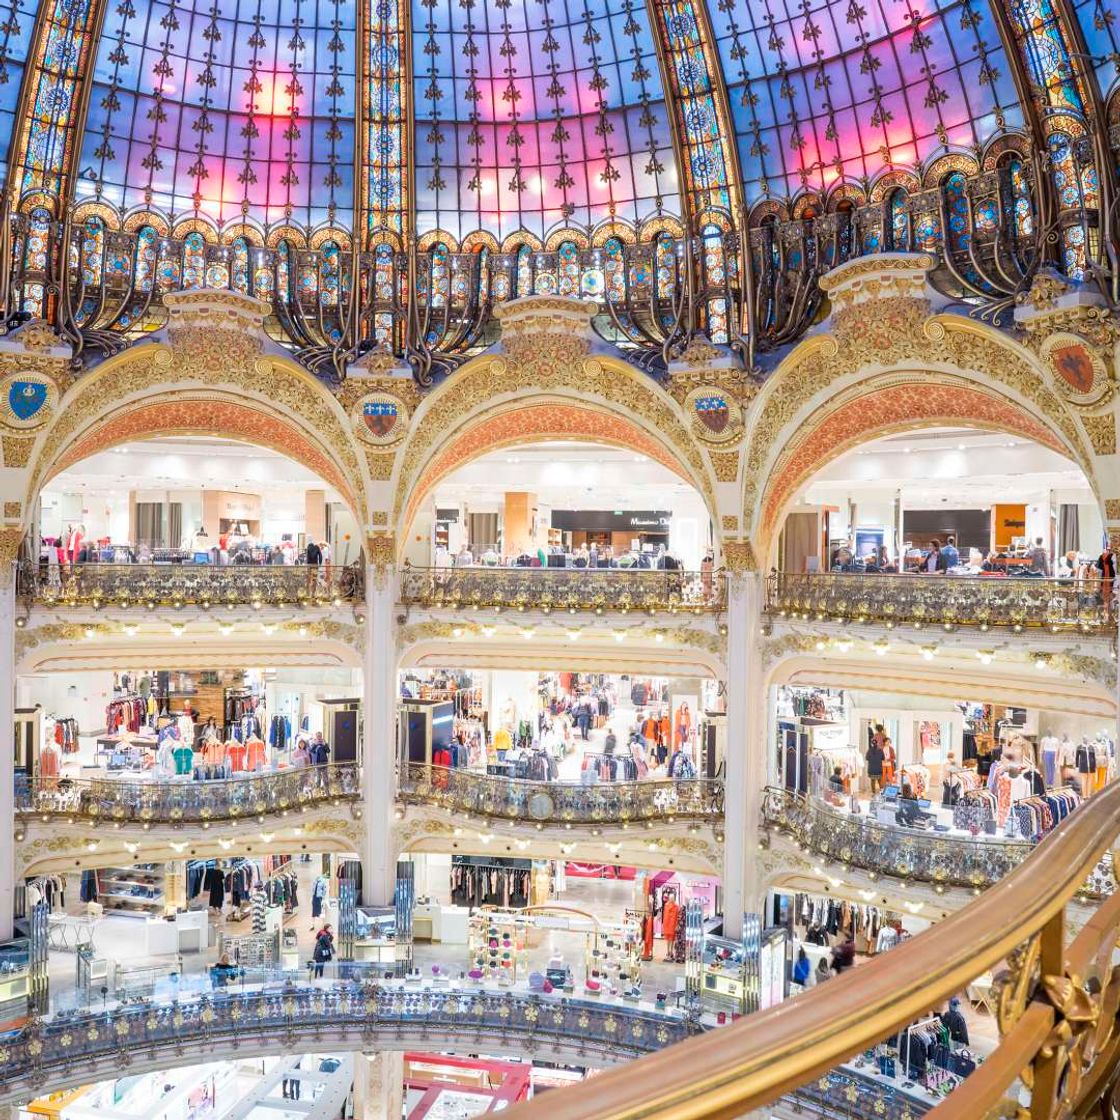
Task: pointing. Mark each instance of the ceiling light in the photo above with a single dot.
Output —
(573, 635)
(881, 647)
(985, 656)
(527, 633)
(929, 652)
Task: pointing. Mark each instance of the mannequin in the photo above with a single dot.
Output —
(1067, 758)
(73, 543)
(1106, 566)
(1050, 753)
(670, 915)
(1086, 756)
(683, 725)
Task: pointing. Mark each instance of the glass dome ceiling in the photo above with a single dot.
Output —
(486, 118)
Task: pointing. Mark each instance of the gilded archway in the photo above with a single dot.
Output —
(211, 373)
(545, 383)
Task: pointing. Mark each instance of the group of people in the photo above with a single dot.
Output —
(585, 556)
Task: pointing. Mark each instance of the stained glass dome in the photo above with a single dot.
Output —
(602, 148)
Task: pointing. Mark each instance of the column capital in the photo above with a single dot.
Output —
(381, 556)
(739, 557)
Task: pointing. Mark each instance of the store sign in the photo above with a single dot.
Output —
(612, 521)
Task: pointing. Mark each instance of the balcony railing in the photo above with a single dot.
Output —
(1055, 1006)
(516, 799)
(76, 1048)
(190, 585)
(565, 589)
(909, 854)
(981, 602)
(183, 801)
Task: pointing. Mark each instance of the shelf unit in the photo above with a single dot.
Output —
(115, 885)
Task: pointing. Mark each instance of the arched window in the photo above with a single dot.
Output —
(483, 274)
(524, 271)
(194, 260)
(147, 243)
(568, 269)
(35, 258)
(440, 277)
(239, 266)
(715, 276)
(898, 213)
(544, 275)
(93, 252)
(1022, 215)
(283, 272)
(383, 293)
(1068, 183)
(332, 273)
(614, 276)
(958, 235)
(263, 278)
(665, 266)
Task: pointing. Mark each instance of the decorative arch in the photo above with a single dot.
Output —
(883, 406)
(215, 382)
(884, 362)
(544, 384)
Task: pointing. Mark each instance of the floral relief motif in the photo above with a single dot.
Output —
(1101, 431)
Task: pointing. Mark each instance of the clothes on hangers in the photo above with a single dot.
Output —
(66, 735)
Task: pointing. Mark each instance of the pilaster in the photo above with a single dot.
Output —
(379, 666)
(379, 1085)
(746, 749)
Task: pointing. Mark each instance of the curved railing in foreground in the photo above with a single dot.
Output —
(179, 801)
(517, 799)
(982, 602)
(909, 854)
(1057, 1008)
(190, 585)
(564, 589)
(50, 1054)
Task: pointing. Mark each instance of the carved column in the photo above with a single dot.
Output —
(746, 747)
(7, 720)
(379, 725)
(379, 1085)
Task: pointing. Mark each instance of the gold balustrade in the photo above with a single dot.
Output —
(1056, 1005)
(565, 589)
(980, 602)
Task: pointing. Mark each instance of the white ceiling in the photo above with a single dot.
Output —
(189, 463)
(566, 474)
(951, 466)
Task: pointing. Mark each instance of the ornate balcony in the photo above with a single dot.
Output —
(564, 589)
(47, 1054)
(190, 585)
(928, 600)
(909, 854)
(182, 801)
(561, 803)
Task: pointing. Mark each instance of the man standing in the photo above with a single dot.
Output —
(949, 554)
(1040, 560)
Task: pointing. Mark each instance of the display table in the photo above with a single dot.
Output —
(436, 923)
(188, 933)
(376, 950)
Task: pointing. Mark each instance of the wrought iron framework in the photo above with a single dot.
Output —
(1016, 604)
(183, 801)
(516, 799)
(190, 585)
(564, 589)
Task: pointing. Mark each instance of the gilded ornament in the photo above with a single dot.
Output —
(725, 465)
(729, 521)
(27, 400)
(380, 465)
(714, 416)
(1101, 431)
(17, 450)
(738, 557)
(1078, 370)
(12, 510)
(380, 419)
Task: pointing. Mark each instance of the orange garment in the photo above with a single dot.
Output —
(649, 729)
(665, 730)
(214, 752)
(236, 753)
(255, 758)
(670, 915)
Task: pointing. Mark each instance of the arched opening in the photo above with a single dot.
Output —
(993, 492)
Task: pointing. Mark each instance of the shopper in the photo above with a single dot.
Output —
(950, 554)
(844, 955)
(324, 949)
(1040, 558)
(932, 562)
(875, 759)
(313, 558)
(802, 969)
(319, 752)
(611, 743)
(224, 972)
(909, 813)
(823, 972)
(680, 765)
(300, 756)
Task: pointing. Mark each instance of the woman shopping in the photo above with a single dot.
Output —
(324, 949)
